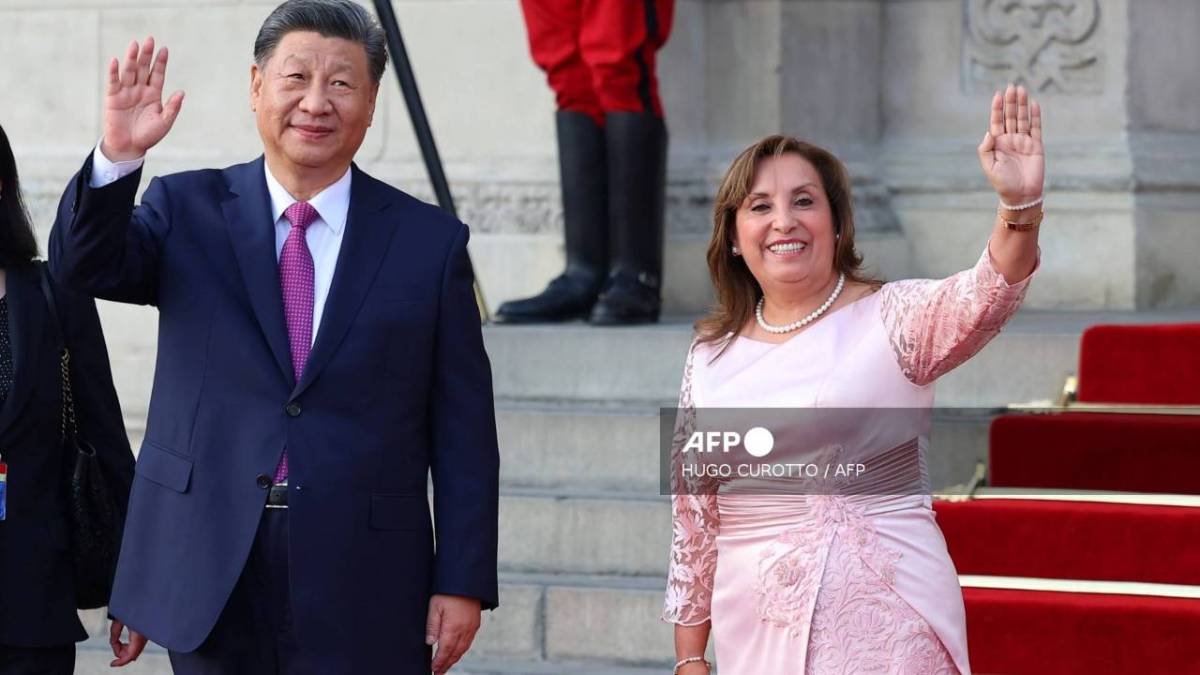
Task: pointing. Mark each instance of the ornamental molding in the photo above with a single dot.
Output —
(1050, 46)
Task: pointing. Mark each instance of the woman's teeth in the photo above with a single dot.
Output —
(790, 247)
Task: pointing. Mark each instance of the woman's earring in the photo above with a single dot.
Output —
(736, 251)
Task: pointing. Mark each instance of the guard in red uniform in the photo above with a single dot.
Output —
(599, 58)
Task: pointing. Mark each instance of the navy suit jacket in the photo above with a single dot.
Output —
(397, 387)
(37, 594)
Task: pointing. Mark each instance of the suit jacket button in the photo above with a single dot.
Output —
(293, 409)
(263, 480)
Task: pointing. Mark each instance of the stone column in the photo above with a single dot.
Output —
(1164, 134)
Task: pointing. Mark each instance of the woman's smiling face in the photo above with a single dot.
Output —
(785, 225)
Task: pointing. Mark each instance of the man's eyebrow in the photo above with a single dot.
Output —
(335, 65)
(295, 57)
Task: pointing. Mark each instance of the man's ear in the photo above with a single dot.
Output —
(256, 82)
(374, 97)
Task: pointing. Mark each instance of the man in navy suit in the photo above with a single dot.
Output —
(319, 356)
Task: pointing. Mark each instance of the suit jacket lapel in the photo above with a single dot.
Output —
(364, 245)
(27, 323)
(252, 233)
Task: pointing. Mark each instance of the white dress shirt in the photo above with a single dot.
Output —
(324, 235)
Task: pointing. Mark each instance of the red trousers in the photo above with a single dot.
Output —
(599, 55)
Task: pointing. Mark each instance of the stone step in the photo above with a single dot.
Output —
(603, 621)
(1028, 361)
(577, 532)
(578, 362)
(582, 445)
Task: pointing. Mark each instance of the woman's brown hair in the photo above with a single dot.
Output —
(737, 291)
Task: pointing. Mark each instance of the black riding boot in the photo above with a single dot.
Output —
(584, 177)
(637, 178)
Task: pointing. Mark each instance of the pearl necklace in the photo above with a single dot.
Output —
(796, 325)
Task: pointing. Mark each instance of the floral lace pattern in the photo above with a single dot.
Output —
(695, 525)
(829, 582)
(861, 625)
(790, 569)
(788, 578)
(934, 326)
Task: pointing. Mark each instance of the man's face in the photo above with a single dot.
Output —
(313, 100)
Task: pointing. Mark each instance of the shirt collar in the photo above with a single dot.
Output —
(332, 203)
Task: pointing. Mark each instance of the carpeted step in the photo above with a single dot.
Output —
(1073, 540)
(1140, 364)
(1018, 632)
(1096, 451)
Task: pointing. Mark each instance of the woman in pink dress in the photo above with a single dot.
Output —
(848, 578)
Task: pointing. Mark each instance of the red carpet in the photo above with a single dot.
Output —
(1140, 364)
(1017, 632)
(1073, 540)
(1028, 632)
(1092, 451)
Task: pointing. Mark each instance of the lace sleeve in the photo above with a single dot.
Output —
(694, 525)
(935, 326)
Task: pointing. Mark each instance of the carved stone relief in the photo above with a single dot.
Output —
(1050, 46)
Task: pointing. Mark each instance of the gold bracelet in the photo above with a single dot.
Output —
(1022, 227)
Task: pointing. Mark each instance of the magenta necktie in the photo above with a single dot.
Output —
(296, 278)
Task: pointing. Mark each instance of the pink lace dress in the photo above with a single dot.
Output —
(838, 582)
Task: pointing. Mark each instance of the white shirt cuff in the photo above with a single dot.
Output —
(106, 172)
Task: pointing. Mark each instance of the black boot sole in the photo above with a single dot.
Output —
(611, 319)
(526, 319)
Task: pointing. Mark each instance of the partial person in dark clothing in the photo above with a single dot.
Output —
(599, 58)
(38, 621)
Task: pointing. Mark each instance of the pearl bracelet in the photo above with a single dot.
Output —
(691, 659)
(1022, 207)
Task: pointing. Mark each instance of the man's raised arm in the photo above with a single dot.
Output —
(100, 243)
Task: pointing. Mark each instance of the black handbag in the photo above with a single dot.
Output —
(93, 513)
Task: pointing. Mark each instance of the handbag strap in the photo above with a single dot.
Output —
(68, 427)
